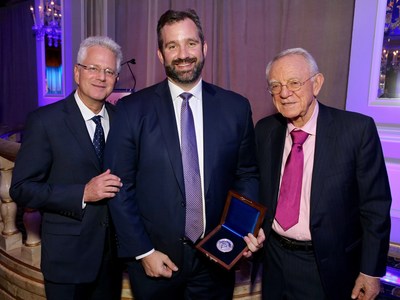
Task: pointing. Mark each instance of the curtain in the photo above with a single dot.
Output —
(18, 79)
(54, 80)
(242, 36)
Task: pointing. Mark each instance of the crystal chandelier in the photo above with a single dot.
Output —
(47, 22)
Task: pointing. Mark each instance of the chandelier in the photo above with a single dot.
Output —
(47, 22)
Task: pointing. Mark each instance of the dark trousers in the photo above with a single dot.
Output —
(107, 286)
(290, 274)
(197, 279)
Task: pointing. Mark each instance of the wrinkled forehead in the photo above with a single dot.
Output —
(289, 67)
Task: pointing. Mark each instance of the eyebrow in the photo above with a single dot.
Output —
(290, 79)
(174, 42)
(169, 43)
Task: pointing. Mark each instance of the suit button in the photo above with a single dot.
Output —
(183, 203)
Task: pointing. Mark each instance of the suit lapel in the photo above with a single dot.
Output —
(324, 148)
(166, 116)
(277, 141)
(74, 121)
(211, 117)
(110, 110)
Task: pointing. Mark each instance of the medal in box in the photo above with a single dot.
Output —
(225, 244)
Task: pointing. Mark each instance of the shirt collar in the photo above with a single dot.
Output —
(196, 91)
(311, 126)
(86, 112)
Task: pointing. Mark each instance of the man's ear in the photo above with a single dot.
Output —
(76, 74)
(160, 56)
(317, 83)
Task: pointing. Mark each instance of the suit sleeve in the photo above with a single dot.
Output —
(121, 158)
(375, 201)
(30, 186)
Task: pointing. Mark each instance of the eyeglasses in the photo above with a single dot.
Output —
(92, 69)
(292, 85)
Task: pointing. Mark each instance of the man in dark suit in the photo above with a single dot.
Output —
(336, 247)
(144, 150)
(59, 171)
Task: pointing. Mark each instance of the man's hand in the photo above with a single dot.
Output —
(105, 185)
(366, 287)
(157, 264)
(253, 243)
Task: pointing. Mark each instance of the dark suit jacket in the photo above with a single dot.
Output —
(143, 149)
(56, 160)
(350, 194)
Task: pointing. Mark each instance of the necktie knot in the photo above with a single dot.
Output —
(185, 96)
(97, 120)
(298, 137)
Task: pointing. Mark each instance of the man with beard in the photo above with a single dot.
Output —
(147, 150)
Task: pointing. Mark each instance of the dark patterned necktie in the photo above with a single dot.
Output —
(191, 172)
(98, 139)
(288, 209)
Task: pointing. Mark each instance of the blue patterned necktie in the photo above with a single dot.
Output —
(191, 173)
(98, 139)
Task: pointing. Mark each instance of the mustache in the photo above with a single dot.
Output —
(186, 60)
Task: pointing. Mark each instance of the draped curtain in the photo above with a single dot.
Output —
(242, 36)
(18, 79)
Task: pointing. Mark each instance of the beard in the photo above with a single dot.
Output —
(184, 77)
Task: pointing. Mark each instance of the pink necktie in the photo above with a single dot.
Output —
(191, 172)
(288, 209)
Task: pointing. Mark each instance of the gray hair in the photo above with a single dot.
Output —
(102, 41)
(294, 51)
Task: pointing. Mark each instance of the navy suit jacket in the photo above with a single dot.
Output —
(144, 150)
(56, 160)
(350, 194)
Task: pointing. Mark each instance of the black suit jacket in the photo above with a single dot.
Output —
(144, 150)
(56, 160)
(350, 194)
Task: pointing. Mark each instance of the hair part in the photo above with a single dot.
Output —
(173, 16)
(294, 51)
(102, 41)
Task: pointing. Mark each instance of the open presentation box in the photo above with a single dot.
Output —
(225, 244)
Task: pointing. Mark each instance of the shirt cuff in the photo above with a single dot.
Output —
(144, 255)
